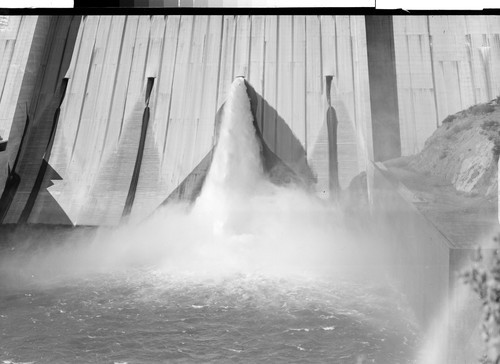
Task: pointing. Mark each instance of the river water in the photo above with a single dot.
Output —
(142, 316)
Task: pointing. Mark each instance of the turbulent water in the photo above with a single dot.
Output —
(139, 317)
(252, 272)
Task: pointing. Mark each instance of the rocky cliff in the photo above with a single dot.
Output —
(464, 150)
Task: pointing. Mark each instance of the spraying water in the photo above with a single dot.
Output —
(252, 272)
(236, 174)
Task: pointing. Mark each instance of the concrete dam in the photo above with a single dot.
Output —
(106, 118)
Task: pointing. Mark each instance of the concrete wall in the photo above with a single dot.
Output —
(193, 61)
(444, 64)
(101, 161)
(22, 45)
(54, 49)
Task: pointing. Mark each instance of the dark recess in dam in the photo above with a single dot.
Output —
(383, 87)
(129, 202)
(332, 124)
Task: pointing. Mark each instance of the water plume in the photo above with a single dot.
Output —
(236, 173)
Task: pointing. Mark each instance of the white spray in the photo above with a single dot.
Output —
(236, 173)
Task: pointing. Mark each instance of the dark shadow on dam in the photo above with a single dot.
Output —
(30, 173)
(45, 169)
(13, 178)
(50, 210)
(332, 125)
(383, 87)
(129, 202)
(278, 171)
(190, 188)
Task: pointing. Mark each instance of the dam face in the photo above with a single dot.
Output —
(105, 118)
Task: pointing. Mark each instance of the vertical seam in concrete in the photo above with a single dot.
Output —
(82, 29)
(293, 43)
(191, 42)
(105, 53)
(189, 78)
(276, 85)
(235, 26)
(128, 84)
(3, 54)
(293, 118)
(321, 51)
(353, 77)
(113, 93)
(205, 41)
(263, 78)
(249, 47)
(64, 88)
(74, 28)
(62, 58)
(459, 84)
(78, 44)
(336, 49)
(305, 86)
(85, 92)
(50, 45)
(23, 18)
(171, 90)
(36, 92)
(203, 84)
(92, 174)
(160, 68)
(219, 67)
(146, 57)
(431, 53)
(471, 58)
(412, 104)
(2, 86)
(21, 143)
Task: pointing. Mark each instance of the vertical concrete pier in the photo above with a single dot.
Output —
(383, 87)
